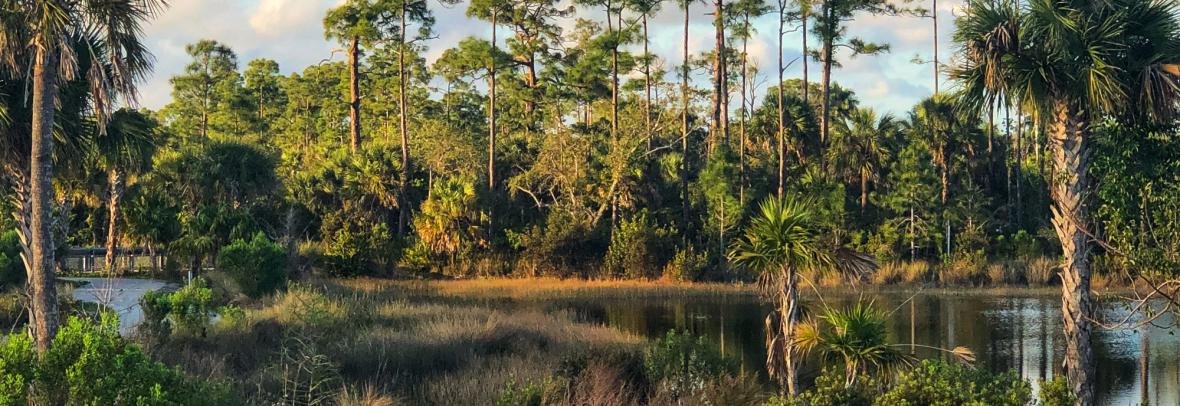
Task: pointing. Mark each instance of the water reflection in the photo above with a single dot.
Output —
(1021, 333)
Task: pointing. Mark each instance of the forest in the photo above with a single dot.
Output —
(1046, 158)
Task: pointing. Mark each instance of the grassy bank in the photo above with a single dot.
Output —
(392, 341)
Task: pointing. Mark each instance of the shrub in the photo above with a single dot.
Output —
(1056, 392)
(257, 266)
(89, 364)
(682, 365)
(997, 274)
(889, 273)
(12, 270)
(965, 269)
(686, 265)
(635, 247)
(940, 383)
(831, 390)
(187, 309)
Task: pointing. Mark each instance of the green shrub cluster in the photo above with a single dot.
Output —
(89, 364)
(927, 383)
(258, 266)
(187, 310)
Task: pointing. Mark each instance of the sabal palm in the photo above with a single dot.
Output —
(860, 149)
(782, 241)
(1074, 62)
(125, 150)
(96, 42)
(855, 336)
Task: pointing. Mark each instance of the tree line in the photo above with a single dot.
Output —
(544, 151)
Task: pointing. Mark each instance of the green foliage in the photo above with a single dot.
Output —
(1057, 392)
(12, 270)
(686, 265)
(258, 266)
(528, 394)
(186, 310)
(681, 364)
(89, 364)
(938, 383)
(637, 248)
(450, 223)
(831, 389)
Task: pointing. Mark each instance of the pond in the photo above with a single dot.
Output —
(1015, 331)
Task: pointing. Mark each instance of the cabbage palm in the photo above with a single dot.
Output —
(124, 150)
(856, 336)
(91, 41)
(781, 241)
(1074, 62)
(860, 148)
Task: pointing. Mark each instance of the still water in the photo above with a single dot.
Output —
(1020, 332)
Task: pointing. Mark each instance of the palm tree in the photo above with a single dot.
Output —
(1073, 62)
(781, 241)
(855, 336)
(60, 41)
(125, 150)
(860, 149)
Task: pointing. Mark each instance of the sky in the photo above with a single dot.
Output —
(291, 32)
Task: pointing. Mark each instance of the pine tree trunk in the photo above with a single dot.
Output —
(403, 217)
(354, 96)
(116, 185)
(1069, 184)
(782, 147)
(492, 119)
(744, 111)
(684, 126)
(718, 75)
(42, 291)
(806, 84)
(646, 85)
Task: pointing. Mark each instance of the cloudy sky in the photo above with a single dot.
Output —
(291, 32)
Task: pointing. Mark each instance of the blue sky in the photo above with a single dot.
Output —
(290, 32)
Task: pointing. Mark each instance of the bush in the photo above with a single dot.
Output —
(89, 364)
(687, 265)
(1057, 392)
(635, 247)
(1041, 271)
(257, 266)
(12, 270)
(682, 365)
(831, 390)
(940, 383)
(187, 309)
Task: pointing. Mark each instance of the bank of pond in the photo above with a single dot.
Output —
(548, 341)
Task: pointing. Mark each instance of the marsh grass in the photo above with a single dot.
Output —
(412, 342)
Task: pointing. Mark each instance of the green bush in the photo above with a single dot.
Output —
(188, 309)
(1056, 392)
(682, 365)
(687, 265)
(635, 248)
(89, 364)
(257, 266)
(830, 390)
(940, 383)
(12, 270)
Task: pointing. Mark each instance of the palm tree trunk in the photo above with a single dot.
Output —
(116, 184)
(789, 306)
(1069, 185)
(403, 217)
(864, 191)
(43, 292)
(354, 96)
